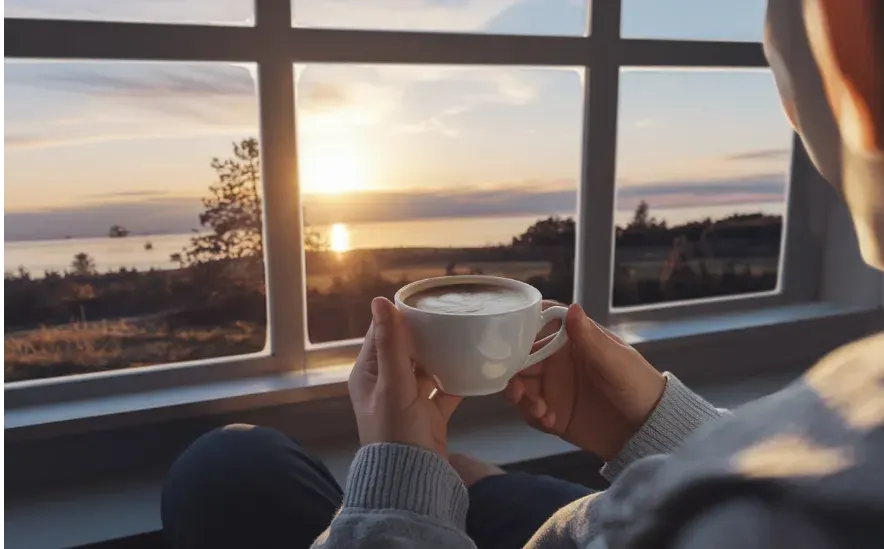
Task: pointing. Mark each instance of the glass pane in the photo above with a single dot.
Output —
(124, 246)
(410, 172)
(532, 17)
(727, 20)
(223, 12)
(702, 171)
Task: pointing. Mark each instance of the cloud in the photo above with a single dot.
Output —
(126, 194)
(433, 15)
(165, 214)
(323, 96)
(326, 105)
(756, 189)
(158, 214)
(191, 11)
(149, 80)
(434, 204)
(553, 17)
(155, 215)
(643, 123)
(431, 125)
(24, 142)
(762, 154)
(513, 89)
(60, 104)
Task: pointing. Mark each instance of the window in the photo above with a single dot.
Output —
(538, 17)
(396, 140)
(741, 20)
(409, 172)
(219, 12)
(699, 211)
(116, 248)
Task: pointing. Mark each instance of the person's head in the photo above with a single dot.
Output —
(827, 58)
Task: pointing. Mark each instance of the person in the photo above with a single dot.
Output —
(800, 468)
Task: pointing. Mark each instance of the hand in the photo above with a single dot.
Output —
(595, 393)
(390, 397)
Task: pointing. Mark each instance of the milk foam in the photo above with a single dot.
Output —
(466, 299)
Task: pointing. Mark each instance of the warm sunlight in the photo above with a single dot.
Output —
(333, 168)
(339, 238)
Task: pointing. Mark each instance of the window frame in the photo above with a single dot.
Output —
(275, 46)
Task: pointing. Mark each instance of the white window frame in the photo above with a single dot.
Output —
(287, 367)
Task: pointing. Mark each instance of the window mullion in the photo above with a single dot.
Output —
(283, 240)
(596, 198)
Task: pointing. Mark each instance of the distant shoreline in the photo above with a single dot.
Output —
(96, 237)
(717, 212)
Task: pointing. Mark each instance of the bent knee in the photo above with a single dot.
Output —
(239, 449)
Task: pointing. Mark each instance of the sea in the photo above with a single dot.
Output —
(144, 252)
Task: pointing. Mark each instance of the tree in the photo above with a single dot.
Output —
(642, 218)
(83, 265)
(23, 274)
(233, 211)
(556, 237)
(553, 231)
(314, 241)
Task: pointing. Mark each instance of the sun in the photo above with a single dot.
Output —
(339, 238)
(333, 168)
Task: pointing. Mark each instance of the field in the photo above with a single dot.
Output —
(649, 269)
(82, 347)
(522, 270)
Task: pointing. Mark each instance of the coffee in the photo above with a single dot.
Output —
(469, 299)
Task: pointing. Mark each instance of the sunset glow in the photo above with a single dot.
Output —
(333, 168)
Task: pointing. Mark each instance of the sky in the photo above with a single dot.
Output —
(90, 144)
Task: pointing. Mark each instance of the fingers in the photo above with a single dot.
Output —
(367, 363)
(525, 394)
(514, 391)
(537, 413)
(427, 388)
(541, 343)
(390, 342)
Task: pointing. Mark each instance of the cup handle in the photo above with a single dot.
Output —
(547, 316)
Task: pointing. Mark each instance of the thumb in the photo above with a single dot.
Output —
(391, 342)
(591, 339)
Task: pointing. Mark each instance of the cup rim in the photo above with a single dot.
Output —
(453, 280)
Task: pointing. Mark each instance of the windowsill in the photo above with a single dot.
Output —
(652, 338)
(96, 512)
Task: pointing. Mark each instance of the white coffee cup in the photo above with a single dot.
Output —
(477, 354)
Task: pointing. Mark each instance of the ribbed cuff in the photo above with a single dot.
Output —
(679, 412)
(407, 478)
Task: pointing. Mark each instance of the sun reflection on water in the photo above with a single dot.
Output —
(339, 238)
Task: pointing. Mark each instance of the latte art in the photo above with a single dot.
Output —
(469, 299)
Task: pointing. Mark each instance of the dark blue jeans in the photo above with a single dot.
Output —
(245, 486)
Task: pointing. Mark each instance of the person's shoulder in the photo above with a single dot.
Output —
(850, 383)
(870, 346)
